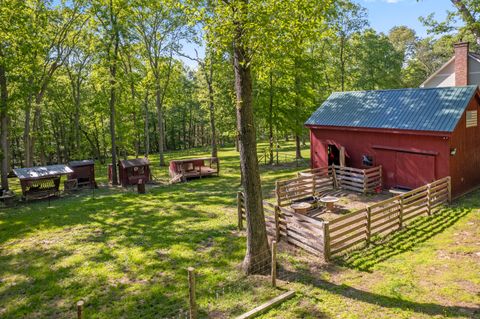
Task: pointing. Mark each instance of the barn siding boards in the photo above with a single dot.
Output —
(465, 164)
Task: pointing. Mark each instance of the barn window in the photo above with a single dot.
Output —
(367, 160)
(472, 118)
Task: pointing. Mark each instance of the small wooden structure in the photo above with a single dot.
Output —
(41, 181)
(132, 172)
(184, 169)
(83, 173)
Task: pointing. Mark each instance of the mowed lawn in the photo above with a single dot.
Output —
(126, 255)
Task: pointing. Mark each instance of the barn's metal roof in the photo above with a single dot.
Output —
(42, 171)
(418, 109)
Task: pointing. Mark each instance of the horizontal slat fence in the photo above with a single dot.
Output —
(329, 238)
(387, 216)
(357, 180)
(299, 230)
(318, 181)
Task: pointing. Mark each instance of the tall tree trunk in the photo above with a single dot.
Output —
(161, 132)
(212, 120)
(258, 252)
(298, 148)
(4, 121)
(113, 80)
(27, 132)
(342, 63)
(270, 121)
(146, 131)
(77, 115)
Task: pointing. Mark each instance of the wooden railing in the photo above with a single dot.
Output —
(307, 183)
(299, 230)
(358, 180)
(317, 181)
(329, 238)
(385, 217)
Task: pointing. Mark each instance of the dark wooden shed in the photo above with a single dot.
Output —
(83, 172)
(184, 169)
(41, 181)
(417, 135)
(132, 172)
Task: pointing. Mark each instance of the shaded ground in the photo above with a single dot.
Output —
(127, 254)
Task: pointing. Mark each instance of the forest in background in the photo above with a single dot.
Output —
(104, 79)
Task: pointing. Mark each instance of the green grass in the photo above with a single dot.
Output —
(126, 255)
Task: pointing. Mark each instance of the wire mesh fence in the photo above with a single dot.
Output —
(211, 292)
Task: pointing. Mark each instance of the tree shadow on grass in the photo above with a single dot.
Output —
(430, 309)
(416, 232)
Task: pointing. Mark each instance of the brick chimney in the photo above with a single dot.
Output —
(461, 63)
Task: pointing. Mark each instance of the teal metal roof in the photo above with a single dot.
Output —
(419, 109)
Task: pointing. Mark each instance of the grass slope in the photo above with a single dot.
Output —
(127, 255)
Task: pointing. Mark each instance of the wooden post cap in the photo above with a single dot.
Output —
(80, 303)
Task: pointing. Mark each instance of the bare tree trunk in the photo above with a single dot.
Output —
(113, 80)
(161, 132)
(258, 252)
(212, 120)
(298, 149)
(4, 122)
(146, 131)
(270, 121)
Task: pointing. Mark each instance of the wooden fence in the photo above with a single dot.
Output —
(354, 229)
(385, 217)
(324, 179)
(358, 180)
(299, 230)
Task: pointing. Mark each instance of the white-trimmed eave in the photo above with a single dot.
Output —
(438, 71)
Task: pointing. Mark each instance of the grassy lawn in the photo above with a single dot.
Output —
(126, 255)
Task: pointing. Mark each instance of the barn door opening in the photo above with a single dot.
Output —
(333, 155)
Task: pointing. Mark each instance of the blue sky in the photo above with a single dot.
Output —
(385, 14)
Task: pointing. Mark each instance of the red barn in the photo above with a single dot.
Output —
(418, 135)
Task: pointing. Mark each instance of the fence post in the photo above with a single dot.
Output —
(274, 263)
(364, 182)
(429, 210)
(277, 222)
(449, 187)
(334, 177)
(191, 294)
(381, 177)
(80, 304)
(369, 225)
(400, 215)
(277, 193)
(326, 241)
(239, 210)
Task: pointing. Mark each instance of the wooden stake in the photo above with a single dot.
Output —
(80, 304)
(449, 187)
(369, 225)
(274, 263)
(277, 193)
(400, 215)
(277, 223)
(191, 289)
(334, 177)
(326, 241)
(239, 210)
(364, 182)
(429, 211)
